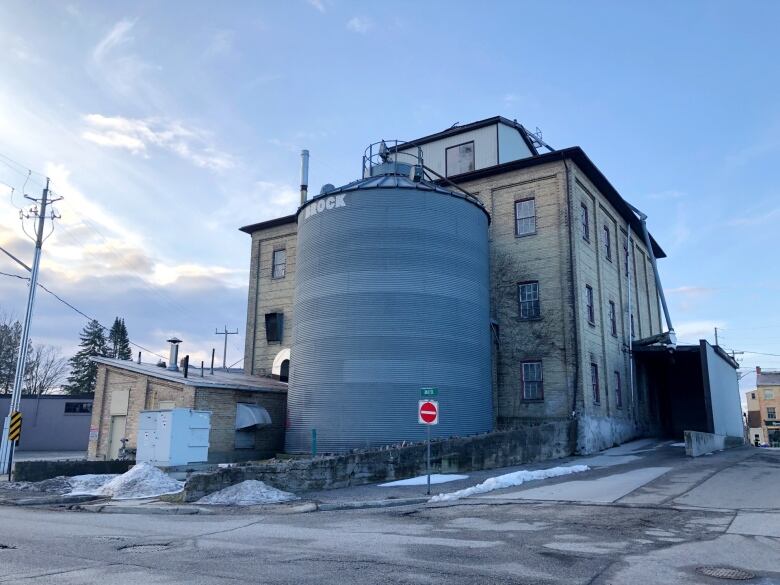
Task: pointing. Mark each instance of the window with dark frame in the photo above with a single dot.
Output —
(589, 304)
(274, 326)
(78, 408)
(525, 217)
(279, 263)
(528, 298)
(612, 319)
(585, 222)
(771, 413)
(618, 391)
(607, 244)
(633, 331)
(532, 381)
(460, 159)
(594, 380)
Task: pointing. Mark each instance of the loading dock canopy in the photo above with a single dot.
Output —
(690, 387)
(251, 415)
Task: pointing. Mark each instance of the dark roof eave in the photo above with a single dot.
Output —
(250, 229)
(576, 154)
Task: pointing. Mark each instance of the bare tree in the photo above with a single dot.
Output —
(47, 371)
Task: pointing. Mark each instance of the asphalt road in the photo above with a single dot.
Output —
(645, 514)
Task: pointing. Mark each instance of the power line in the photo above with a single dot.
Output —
(83, 314)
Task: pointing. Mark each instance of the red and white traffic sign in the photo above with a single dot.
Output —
(428, 412)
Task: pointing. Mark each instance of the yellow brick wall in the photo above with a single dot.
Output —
(269, 295)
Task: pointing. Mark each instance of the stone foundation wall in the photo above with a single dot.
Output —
(488, 451)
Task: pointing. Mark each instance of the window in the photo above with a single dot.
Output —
(274, 325)
(753, 395)
(607, 244)
(770, 412)
(585, 222)
(589, 305)
(768, 395)
(460, 159)
(528, 296)
(618, 391)
(594, 380)
(612, 319)
(78, 408)
(279, 263)
(532, 381)
(525, 217)
(633, 333)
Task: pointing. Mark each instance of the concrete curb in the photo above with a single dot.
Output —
(50, 500)
(148, 510)
(371, 504)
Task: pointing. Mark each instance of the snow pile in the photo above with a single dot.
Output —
(247, 493)
(423, 480)
(677, 445)
(509, 480)
(88, 484)
(141, 481)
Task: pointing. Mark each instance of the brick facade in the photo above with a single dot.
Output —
(563, 263)
(145, 392)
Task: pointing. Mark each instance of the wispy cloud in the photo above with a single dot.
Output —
(756, 217)
(116, 37)
(691, 331)
(318, 4)
(138, 135)
(689, 297)
(360, 24)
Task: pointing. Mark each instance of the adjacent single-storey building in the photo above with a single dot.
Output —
(240, 405)
(52, 422)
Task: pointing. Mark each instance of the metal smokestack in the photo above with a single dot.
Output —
(304, 175)
(174, 356)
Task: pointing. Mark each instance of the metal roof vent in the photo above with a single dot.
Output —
(174, 355)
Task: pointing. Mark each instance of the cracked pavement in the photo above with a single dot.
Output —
(644, 513)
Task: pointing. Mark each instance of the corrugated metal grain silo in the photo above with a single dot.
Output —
(391, 295)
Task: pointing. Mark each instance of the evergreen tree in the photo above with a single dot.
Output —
(119, 341)
(83, 371)
(10, 338)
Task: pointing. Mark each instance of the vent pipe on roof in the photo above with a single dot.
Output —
(304, 175)
(173, 359)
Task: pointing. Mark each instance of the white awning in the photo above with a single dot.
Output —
(251, 415)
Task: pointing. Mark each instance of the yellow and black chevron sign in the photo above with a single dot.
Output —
(15, 430)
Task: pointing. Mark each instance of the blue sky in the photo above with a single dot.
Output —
(168, 125)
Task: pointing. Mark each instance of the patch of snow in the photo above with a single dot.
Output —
(88, 484)
(509, 480)
(423, 480)
(247, 493)
(677, 445)
(141, 481)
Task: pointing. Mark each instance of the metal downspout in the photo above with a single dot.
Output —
(574, 295)
(648, 244)
(630, 337)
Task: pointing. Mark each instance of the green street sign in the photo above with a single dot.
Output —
(429, 392)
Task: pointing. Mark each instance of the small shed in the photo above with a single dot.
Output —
(248, 413)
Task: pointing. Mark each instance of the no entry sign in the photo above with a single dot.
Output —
(428, 412)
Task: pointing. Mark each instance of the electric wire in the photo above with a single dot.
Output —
(80, 312)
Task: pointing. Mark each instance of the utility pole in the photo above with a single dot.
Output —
(225, 332)
(6, 446)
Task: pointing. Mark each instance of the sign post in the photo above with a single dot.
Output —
(14, 433)
(428, 414)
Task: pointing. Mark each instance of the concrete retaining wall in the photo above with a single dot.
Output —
(488, 451)
(40, 470)
(698, 443)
